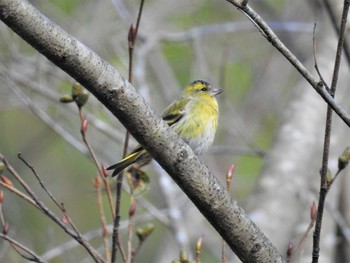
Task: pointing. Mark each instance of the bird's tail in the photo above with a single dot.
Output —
(128, 160)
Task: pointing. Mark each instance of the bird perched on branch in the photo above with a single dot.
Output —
(194, 116)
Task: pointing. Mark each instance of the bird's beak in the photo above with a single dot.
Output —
(216, 91)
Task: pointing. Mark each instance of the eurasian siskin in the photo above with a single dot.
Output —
(194, 116)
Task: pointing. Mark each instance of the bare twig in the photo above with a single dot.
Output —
(132, 210)
(291, 248)
(83, 130)
(98, 180)
(59, 205)
(19, 194)
(116, 237)
(20, 247)
(116, 242)
(229, 176)
(330, 10)
(324, 186)
(93, 234)
(74, 234)
(315, 58)
(2, 217)
(19, 155)
(97, 184)
(278, 44)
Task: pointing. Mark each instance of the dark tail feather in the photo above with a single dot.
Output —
(121, 165)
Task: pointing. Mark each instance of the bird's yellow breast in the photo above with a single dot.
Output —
(199, 124)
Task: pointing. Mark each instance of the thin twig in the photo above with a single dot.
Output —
(77, 236)
(20, 194)
(229, 176)
(59, 205)
(97, 184)
(324, 186)
(101, 210)
(19, 155)
(94, 158)
(293, 249)
(132, 209)
(330, 10)
(93, 234)
(278, 44)
(2, 217)
(33, 257)
(315, 57)
(116, 242)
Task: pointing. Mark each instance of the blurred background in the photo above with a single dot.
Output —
(265, 101)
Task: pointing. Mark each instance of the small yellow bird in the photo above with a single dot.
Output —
(194, 116)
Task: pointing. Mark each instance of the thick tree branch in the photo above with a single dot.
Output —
(102, 80)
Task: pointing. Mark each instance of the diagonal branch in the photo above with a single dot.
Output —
(106, 83)
(22, 249)
(278, 44)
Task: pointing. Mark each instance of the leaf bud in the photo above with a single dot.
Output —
(66, 99)
(77, 90)
(143, 233)
(344, 159)
(82, 99)
(313, 211)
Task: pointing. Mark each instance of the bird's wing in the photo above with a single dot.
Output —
(175, 112)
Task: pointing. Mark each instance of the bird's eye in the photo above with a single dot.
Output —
(204, 89)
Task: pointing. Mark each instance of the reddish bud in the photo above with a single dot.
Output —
(104, 171)
(2, 196)
(5, 228)
(131, 35)
(64, 218)
(230, 172)
(313, 211)
(5, 180)
(290, 249)
(84, 125)
(97, 182)
(229, 176)
(199, 244)
(132, 208)
(104, 230)
(2, 167)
